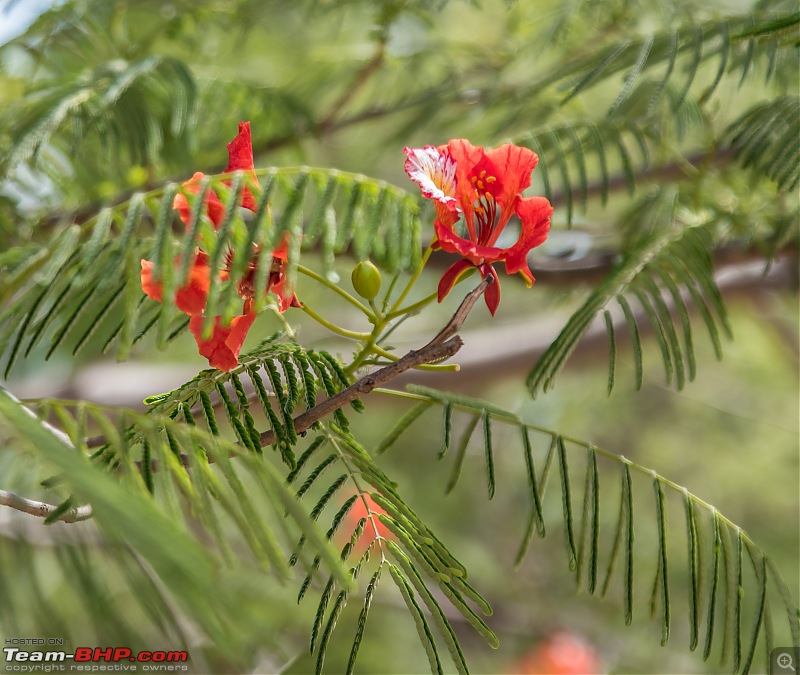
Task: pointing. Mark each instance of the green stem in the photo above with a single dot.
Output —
(425, 366)
(336, 289)
(426, 300)
(332, 327)
(385, 301)
(286, 325)
(414, 307)
(413, 278)
(378, 313)
(366, 350)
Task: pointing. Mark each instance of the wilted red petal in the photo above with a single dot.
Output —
(240, 158)
(223, 347)
(240, 150)
(451, 275)
(285, 295)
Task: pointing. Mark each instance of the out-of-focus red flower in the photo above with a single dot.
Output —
(372, 528)
(189, 298)
(223, 346)
(475, 193)
(561, 653)
(240, 158)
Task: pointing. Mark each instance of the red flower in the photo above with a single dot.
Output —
(373, 527)
(483, 186)
(223, 346)
(240, 158)
(561, 653)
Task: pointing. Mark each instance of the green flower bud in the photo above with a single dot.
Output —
(366, 279)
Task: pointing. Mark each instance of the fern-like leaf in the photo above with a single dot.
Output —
(682, 255)
(587, 555)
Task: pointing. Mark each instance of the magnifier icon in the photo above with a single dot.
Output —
(785, 661)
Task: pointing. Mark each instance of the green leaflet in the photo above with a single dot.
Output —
(686, 254)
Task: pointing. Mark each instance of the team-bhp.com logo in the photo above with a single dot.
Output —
(91, 656)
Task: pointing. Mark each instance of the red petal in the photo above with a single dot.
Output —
(449, 241)
(192, 296)
(150, 286)
(492, 293)
(281, 251)
(357, 512)
(512, 166)
(285, 295)
(240, 150)
(214, 208)
(223, 347)
(535, 215)
(450, 277)
(467, 156)
(180, 203)
(240, 158)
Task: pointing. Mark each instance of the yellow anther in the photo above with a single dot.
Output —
(478, 209)
(489, 196)
(483, 173)
(474, 179)
(481, 185)
(491, 179)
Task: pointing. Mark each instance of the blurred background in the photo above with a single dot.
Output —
(98, 99)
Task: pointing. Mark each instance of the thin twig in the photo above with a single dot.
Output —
(434, 352)
(42, 509)
(362, 77)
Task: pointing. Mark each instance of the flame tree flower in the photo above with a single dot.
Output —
(365, 507)
(475, 192)
(223, 346)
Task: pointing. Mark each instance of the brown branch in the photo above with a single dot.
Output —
(362, 77)
(438, 349)
(428, 354)
(444, 345)
(513, 348)
(659, 174)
